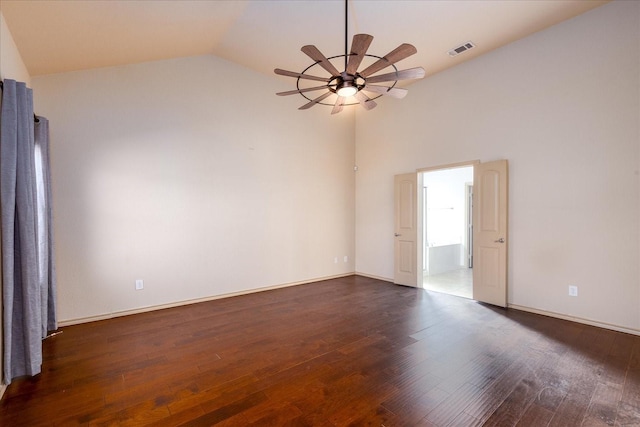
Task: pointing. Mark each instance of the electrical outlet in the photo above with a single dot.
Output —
(335, 260)
(573, 291)
(346, 258)
(139, 285)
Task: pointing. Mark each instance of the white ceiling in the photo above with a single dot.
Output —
(59, 36)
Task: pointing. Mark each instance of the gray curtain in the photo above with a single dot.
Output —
(28, 273)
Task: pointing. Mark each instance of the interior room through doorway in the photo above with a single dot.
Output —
(447, 230)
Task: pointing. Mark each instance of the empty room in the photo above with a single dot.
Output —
(216, 212)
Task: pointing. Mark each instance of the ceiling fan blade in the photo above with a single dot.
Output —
(364, 100)
(299, 75)
(401, 52)
(359, 47)
(297, 91)
(317, 56)
(315, 101)
(338, 105)
(394, 92)
(411, 73)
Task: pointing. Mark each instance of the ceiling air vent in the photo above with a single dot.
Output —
(462, 48)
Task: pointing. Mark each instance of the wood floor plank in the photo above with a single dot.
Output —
(515, 405)
(466, 420)
(603, 407)
(415, 404)
(535, 415)
(347, 351)
(271, 412)
(178, 418)
(572, 410)
(451, 407)
(483, 403)
(190, 395)
(223, 413)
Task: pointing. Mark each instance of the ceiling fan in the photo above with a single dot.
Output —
(351, 83)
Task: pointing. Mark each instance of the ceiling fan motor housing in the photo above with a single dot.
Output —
(346, 84)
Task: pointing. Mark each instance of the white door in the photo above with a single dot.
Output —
(406, 230)
(490, 232)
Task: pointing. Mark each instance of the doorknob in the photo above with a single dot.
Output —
(397, 235)
(500, 240)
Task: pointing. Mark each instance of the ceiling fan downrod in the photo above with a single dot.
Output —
(346, 84)
(346, 31)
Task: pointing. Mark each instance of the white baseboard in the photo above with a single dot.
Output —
(76, 321)
(576, 319)
(372, 276)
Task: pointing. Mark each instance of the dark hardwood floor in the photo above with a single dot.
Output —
(350, 351)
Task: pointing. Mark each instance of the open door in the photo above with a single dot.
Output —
(490, 232)
(406, 230)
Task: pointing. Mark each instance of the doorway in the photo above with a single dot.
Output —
(447, 225)
(489, 237)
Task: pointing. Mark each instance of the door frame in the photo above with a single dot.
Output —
(493, 286)
(468, 220)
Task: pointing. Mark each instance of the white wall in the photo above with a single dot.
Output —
(11, 67)
(191, 175)
(563, 107)
(11, 64)
(446, 205)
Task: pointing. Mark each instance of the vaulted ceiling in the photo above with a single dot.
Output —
(60, 36)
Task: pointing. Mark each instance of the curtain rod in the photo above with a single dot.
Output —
(35, 118)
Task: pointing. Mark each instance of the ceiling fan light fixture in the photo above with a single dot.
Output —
(347, 89)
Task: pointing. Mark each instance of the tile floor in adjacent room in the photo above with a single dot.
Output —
(457, 282)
